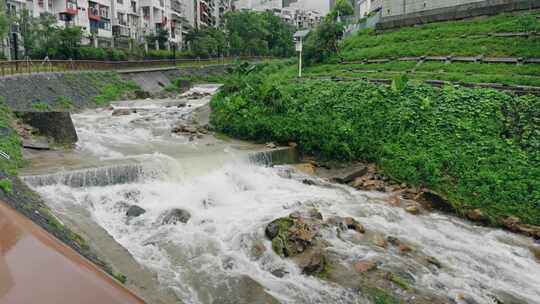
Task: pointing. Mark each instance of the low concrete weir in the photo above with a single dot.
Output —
(36, 268)
(277, 156)
(91, 177)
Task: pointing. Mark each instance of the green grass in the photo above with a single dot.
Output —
(120, 277)
(41, 106)
(459, 38)
(478, 147)
(111, 87)
(63, 103)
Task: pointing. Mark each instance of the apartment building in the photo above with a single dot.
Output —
(120, 23)
(363, 8)
(299, 18)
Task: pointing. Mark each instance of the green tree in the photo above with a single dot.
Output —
(258, 33)
(3, 22)
(69, 42)
(323, 42)
(342, 8)
(28, 27)
(161, 36)
(47, 34)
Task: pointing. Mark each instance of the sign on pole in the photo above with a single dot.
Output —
(298, 39)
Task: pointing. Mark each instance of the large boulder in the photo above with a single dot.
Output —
(175, 216)
(297, 237)
(135, 211)
(290, 236)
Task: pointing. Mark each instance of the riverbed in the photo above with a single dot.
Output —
(135, 159)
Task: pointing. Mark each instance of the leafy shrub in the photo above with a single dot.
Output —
(477, 146)
(91, 53)
(5, 185)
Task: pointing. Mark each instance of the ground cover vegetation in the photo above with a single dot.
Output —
(469, 37)
(478, 147)
(472, 37)
(10, 143)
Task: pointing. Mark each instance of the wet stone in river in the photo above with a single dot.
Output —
(135, 211)
(175, 216)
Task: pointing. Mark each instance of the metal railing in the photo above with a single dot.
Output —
(4, 155)
(14, 67)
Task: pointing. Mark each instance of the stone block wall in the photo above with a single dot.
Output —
(443, 10)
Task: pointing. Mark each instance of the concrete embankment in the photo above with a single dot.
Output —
(52, 90)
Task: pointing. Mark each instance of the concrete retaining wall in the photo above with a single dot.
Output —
(157, 79)
(23, 92)
(453, 11)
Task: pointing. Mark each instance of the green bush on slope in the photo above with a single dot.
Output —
(480, 147)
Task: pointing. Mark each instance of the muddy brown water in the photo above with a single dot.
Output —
(36, 268)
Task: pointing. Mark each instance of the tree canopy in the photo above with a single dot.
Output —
(341, 8)
(3, 22)
(245, 34)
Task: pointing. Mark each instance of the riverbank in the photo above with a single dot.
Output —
(478, 148)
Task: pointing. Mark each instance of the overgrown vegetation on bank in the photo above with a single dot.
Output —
(481, 148)
(472, 37)
(10, 143)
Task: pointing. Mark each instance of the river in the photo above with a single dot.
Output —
(231, 199)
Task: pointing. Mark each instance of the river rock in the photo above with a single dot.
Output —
(349, 174)
(511, 223)
(258, 249)
(306, 168)
(293, 234)
(412, 209)
(435, 200)
(535, 250)
(135, 211)
(176, 215)
(362, 266)
(433, 261)
(311, 261)
(379, 241)
(353, 224)
(476, 215)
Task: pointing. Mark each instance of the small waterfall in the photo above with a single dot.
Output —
(101, 176)
(279, 156)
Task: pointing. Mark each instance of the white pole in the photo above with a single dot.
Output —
(300, 61)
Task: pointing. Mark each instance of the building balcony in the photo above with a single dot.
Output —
(104, 33)
(93, 14)
(121, 31)
(71, 8)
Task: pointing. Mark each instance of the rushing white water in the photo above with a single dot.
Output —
(208, 259)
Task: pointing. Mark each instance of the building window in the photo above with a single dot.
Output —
(120, 1)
